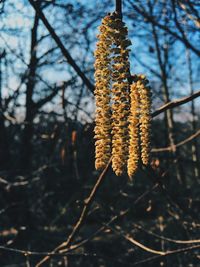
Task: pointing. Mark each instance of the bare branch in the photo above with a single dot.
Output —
(121, 214)
(65, 52)
(175, 103)
(137, 243)
(48, 98)
(84, 212)
(167, 254)
(193, 241)
(149, 18)
(170, 148)
(31, 253)
(101, 178)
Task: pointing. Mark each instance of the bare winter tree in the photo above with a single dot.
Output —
(56, 209)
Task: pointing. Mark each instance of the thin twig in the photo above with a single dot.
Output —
(137, 243)
(121, 214)
(175, 103)
(84, 212)
(157, 23)
(36, 253)
(176, 241)
(168, 253)
(170, 148)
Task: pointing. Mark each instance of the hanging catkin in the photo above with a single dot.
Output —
(122, 121)
(145, 118)
(102, 97)
(134, 153)
(120, 95)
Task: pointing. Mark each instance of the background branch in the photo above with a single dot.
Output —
(65, 52)
(169, 148)
(176, 103)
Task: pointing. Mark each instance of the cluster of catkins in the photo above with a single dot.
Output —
(122, 121)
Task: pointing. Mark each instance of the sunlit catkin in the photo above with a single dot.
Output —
(145, 118)
(102, 96)
(120, 95)
(134, 152)
(122, 121)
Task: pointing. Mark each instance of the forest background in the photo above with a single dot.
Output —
(46, 138)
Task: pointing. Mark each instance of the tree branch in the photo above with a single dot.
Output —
(167, 254)
(136, 243)
(175, 103)
(88, 202)
(185, 242)
(48, 98)
(64, 51)
(84, 213)
(113, 219)
(118, 7)
(170, 148)
(37, 253)
(149, 18)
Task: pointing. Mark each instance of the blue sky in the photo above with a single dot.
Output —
(15, 34)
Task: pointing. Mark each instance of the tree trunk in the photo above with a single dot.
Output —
(4, 147)
(195, 157)
(169, 113)
(28, 129)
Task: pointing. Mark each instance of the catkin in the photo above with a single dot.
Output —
(134, 152)
(102, 97)
(123, 115)
(145, 118)
(120, 95)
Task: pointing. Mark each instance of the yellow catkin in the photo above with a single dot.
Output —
(120, 95)
(145, 118)
(134, 152)
(102, 97)
(123, 117)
